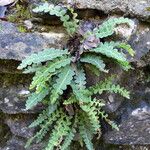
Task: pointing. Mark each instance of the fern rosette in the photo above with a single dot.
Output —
(60, 80)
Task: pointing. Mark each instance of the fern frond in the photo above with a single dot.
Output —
(105, 117)
(70, 23)
(108, 27)
(81, 95)
(36, 98)
(127, 47)
(94, 60)
(80, 78)
(40, 119)
(45, 55)
(92, 115)
(108, 85)
(71, 100)
(84, 134)
(108, 49)
(93, 69)
(33, 68)
(68, 140)
(44, 127)
(61, 129)
(46, 72)
(64, 79)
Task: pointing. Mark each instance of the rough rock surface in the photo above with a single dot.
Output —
(132, 116)
(133, 131)
(135, 8)
(16, 46)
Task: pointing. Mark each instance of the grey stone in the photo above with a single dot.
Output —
(19, 125)
(133, 131)
(17, 46)
(14, 92)
(135, 8)
(17, 143)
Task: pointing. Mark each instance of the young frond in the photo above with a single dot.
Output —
(108, 27)
(84, 134)
(61, 129)
(81, 96)
(64, 79)
(127, 47)
(71, 100)
(108, 49)
(93, 69)
(33, 68)
(92, 115)
(44, 127)
(105, 117)
(45, 73)
(70, 23)
(107, 85)
(40, 119)
(68, 139)
(36, 98)
(80, 78)
(94, 60)
(42, 56)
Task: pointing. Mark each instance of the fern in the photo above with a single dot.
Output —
(68, 140)
(45, 73)
(61, 129)
(71, 24)
(36, 97)
(94, 60)
(80, 78)
(80, 95)
(108, 49)
(45, 127)
(84, 134)
(107, 85)
(64, 79)
(108, 27)
(71, 100)
(47, 54)
(40, 119)
(60, 80)
(127, 47)
(93, 117)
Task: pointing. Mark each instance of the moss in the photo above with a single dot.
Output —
(20, 13)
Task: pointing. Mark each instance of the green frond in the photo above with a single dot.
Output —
(33, 68)
(108, 27)
(108, 85)
(80, 78)
(81, 95)
(68, 139)
(94, 60)
(44, 127)
(125, 65)
(36, 98)
(108, 49)
(42, 56)
(127, 47)
(45, 73)
(71, 100)
(92, 115)
(105, 117)
(61, 129)
(84, 134)
(40, 119)
(64, 79)
(93, 69)
(70, 23)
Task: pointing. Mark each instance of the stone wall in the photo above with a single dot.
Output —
(132, 116)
